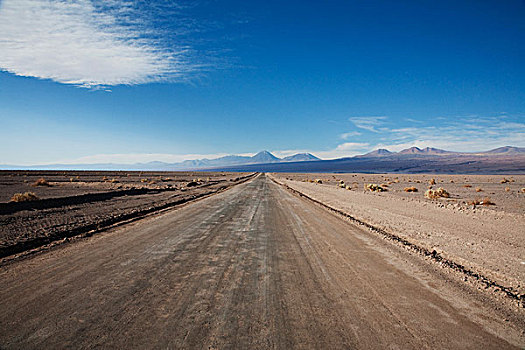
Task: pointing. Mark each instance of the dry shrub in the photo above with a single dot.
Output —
(71, 179)
(104, 178)
(451, 181)
(432, 181)
(24, 197)
(504, 181)
(143, 180)
(114, 181)
(41, 182)
(467, 186)
(481, 201)
(348, 187)
(478, 189)
(410, 189)
(153, 182)
(523, 190)
(384, 185)
(507, 189)
(319, 181)
(192, 184)
(375, 188)
(439, 193)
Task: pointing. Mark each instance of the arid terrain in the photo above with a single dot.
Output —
(487, 239)
(74, 203)
(260, 261)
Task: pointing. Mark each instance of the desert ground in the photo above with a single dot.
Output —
(73, 203)
(261, 261)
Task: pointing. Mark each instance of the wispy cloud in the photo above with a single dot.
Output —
(87, 43)
(368, 123)
(346, 149)
(347, 135)
(464, 134)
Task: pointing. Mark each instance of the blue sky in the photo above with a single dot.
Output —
(125, 81)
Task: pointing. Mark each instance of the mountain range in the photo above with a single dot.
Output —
(413, 159)
(263, 157)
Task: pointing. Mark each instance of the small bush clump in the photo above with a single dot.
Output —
(319, 181)
(375, 188)
(467, 186)
(432, 182)
(435, 194)
(481, 201)
(410, 189)
(504, 181)
(24, 197)
(478, 189)
(41, 182)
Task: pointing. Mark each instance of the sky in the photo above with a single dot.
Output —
(125, 81)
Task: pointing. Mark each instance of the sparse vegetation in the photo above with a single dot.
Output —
(478, 189)
(504, 181)
(467, 186)
(319, 181)
(435, 194)
(481, 201)
(375, 188)
(507, 189)
(410, 189)
(432, 181)
(41, 182)
(24, 197)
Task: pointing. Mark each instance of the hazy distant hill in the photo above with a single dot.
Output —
(377, 153)
(504, 160)
(424, 151)
(300, 157)
(507, 150)
(263, 157)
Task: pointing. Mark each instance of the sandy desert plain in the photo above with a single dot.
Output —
(254, 260)
(71, 203)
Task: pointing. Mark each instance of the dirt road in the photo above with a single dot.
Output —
(251, 268)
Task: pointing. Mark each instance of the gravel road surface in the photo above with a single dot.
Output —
(250, 268)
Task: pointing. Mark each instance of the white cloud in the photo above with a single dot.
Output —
(75, 42)
(368, 123)
(350, 134)
(460, 135)
(346, 149)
